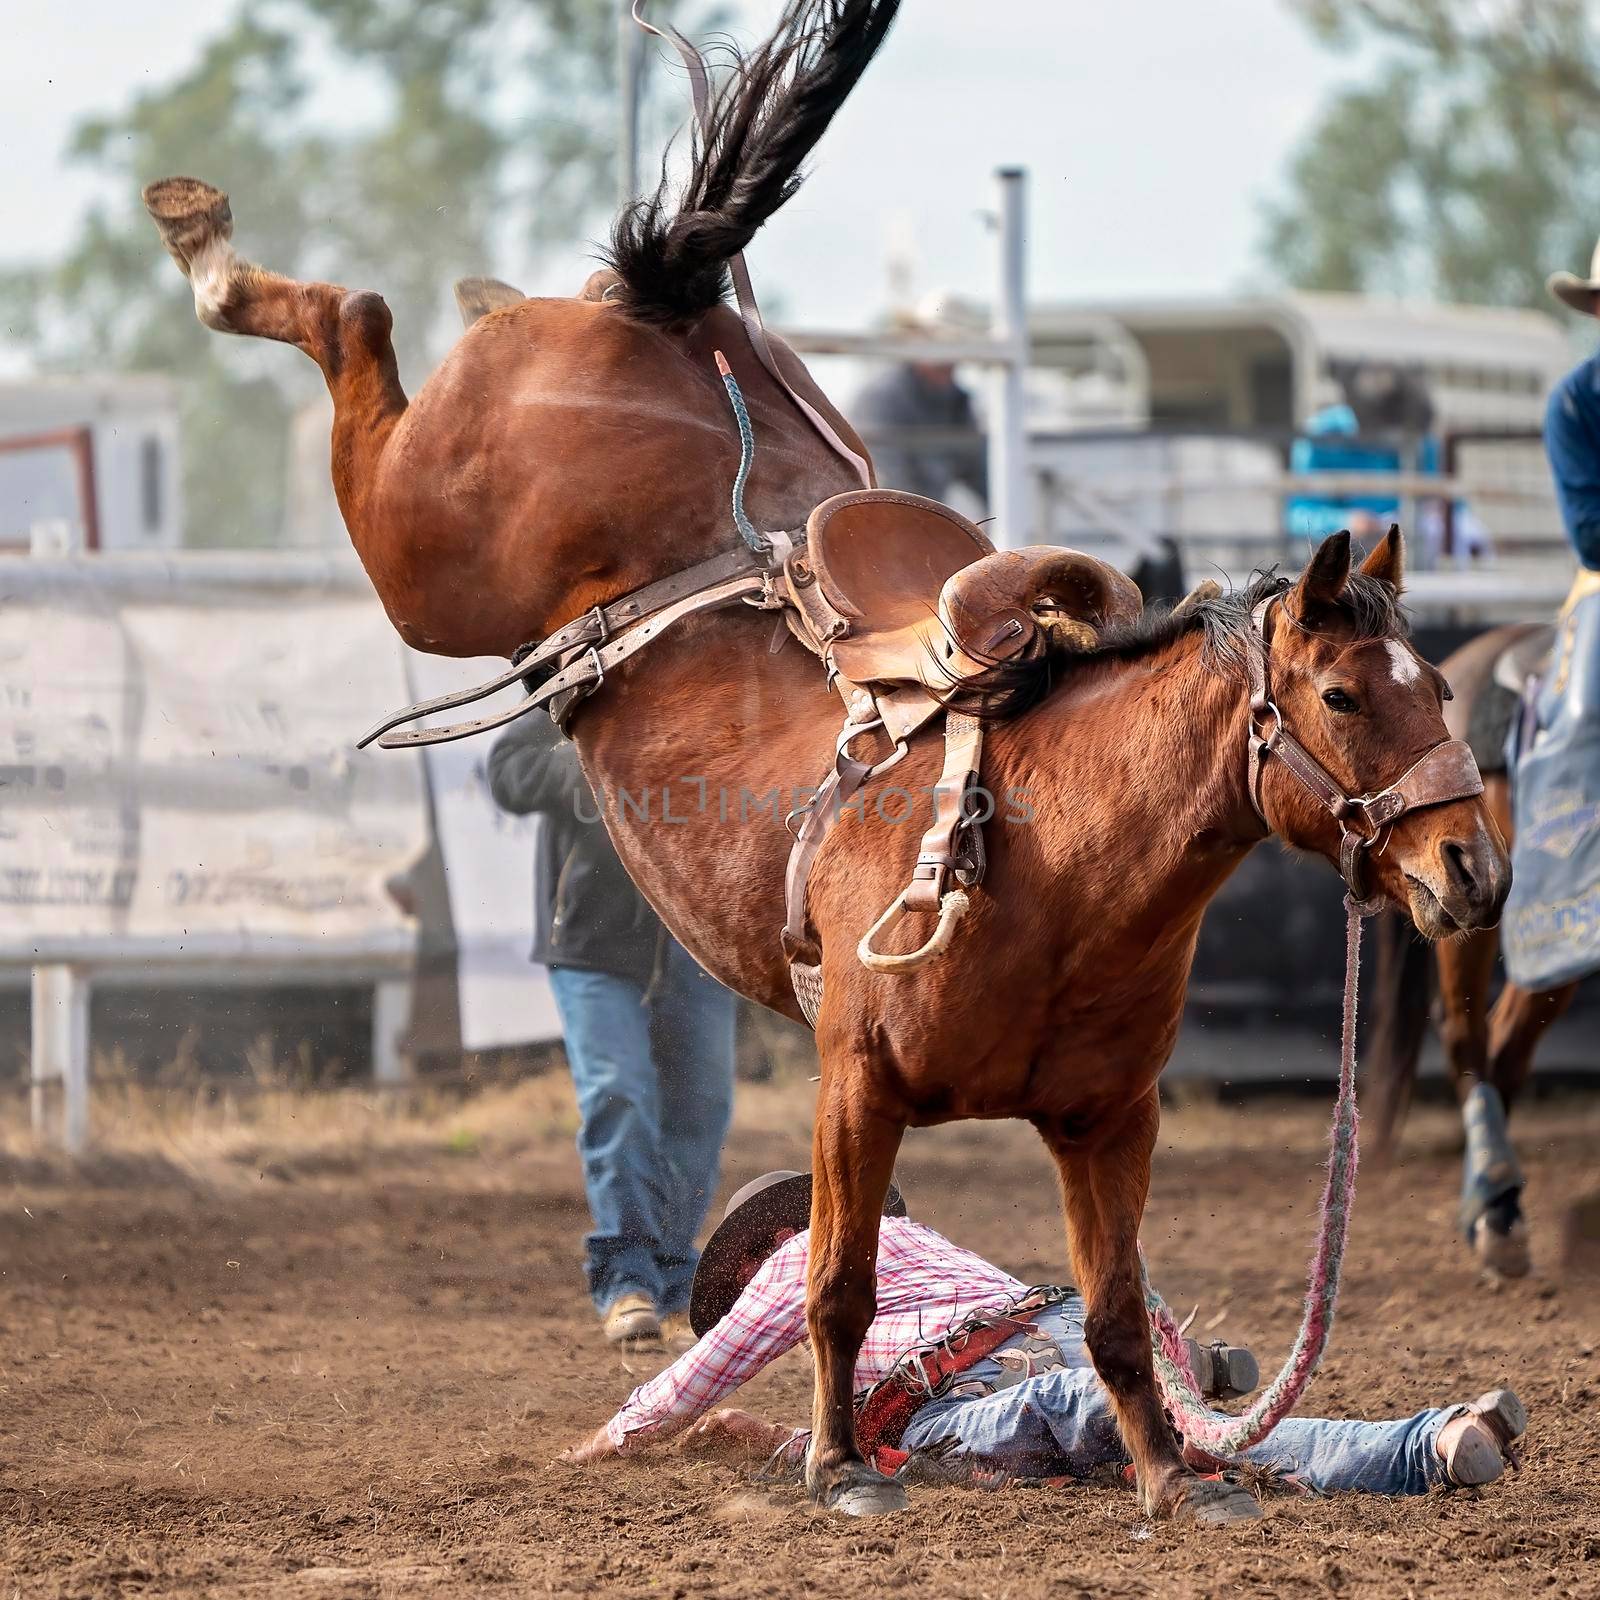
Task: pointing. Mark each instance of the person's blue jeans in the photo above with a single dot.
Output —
(654, 1074)
(1060, 1423)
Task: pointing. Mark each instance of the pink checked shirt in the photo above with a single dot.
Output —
(926, 1285)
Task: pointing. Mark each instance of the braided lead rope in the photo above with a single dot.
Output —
(757, 541)
(1214, 1431)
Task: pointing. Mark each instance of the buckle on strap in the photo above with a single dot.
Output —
(847, 734)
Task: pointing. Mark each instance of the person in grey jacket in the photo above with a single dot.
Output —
(649, 1037)
(922, 397)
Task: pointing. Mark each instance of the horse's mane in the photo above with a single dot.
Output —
(1370, 607)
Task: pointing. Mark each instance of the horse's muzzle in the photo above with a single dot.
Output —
(1466, 889)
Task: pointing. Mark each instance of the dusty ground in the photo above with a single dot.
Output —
(340, 1362)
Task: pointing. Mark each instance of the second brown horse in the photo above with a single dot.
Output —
(568, 451)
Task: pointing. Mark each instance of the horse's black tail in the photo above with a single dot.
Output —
(1401, 998)
(763, 122)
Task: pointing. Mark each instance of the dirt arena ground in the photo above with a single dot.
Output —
(338, 1360)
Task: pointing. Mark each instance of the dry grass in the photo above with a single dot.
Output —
(278, 1120)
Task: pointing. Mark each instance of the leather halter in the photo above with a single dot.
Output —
(1444, 773)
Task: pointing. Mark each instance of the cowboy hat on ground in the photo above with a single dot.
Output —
(774, 1202)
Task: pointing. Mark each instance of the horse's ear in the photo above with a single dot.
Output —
(1387, 562)
(1324, 579)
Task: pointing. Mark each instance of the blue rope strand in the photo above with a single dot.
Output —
(747, 452)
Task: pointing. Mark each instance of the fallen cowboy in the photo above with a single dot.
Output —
(967, 1374)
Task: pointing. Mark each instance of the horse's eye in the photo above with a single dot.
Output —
(1338, 700)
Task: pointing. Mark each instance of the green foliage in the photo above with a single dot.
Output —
(1467, 171)
(391, 144)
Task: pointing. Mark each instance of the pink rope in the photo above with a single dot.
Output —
(1217, 1432)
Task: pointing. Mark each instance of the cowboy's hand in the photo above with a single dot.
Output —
(597, 1447)
(736, 1433)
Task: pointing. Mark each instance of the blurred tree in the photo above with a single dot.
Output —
(1466, 170)
(387, 144)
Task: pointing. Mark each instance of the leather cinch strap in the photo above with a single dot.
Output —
(697, 589)
(1446, 772)
(594, 627)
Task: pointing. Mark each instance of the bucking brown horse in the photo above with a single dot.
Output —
(571, 450)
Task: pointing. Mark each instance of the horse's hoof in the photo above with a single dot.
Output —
(188, 214)
(870, 1500)
(858, 1490)
(1503, 1252)
(1212, 1500)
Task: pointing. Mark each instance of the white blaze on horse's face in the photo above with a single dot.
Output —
(1404, 667)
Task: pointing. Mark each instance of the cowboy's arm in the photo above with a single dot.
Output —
(1574, 450)
(728, 1433)
(767, 1320)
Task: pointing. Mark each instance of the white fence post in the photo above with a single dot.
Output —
(1008, 424)
(391, 1012)
(61, 1052)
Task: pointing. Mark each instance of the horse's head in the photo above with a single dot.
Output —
(1352, 690)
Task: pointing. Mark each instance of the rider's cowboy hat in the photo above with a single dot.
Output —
(759, 1210)
(1577, 292)
(939, 315)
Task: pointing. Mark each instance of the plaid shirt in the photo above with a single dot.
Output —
(926, 1286)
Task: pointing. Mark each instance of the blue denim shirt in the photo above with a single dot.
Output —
(1572, 441)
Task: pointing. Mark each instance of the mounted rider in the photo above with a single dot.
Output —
(1552, 924)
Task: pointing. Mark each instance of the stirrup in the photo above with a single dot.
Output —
(952, 908)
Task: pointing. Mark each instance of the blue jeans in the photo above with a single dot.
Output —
(1060, 1423)
(654, 1075)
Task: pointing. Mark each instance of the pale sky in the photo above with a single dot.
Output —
(1151, 132)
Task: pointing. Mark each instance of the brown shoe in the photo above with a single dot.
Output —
(632, 1319)
(1477, 1442)
(676, 1331)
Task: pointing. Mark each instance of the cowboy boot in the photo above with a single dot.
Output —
(1478, 1441)
(1223, 1371)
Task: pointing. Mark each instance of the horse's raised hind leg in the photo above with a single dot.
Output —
(1105, 1180)
(853, 1151)
(345, 332)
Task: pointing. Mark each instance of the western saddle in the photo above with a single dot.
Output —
(904, 600)
(911, 592)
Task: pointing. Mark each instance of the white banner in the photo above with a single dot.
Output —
(178, 771)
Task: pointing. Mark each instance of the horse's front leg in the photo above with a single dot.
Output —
(1105, 1179)
(853, 1151)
